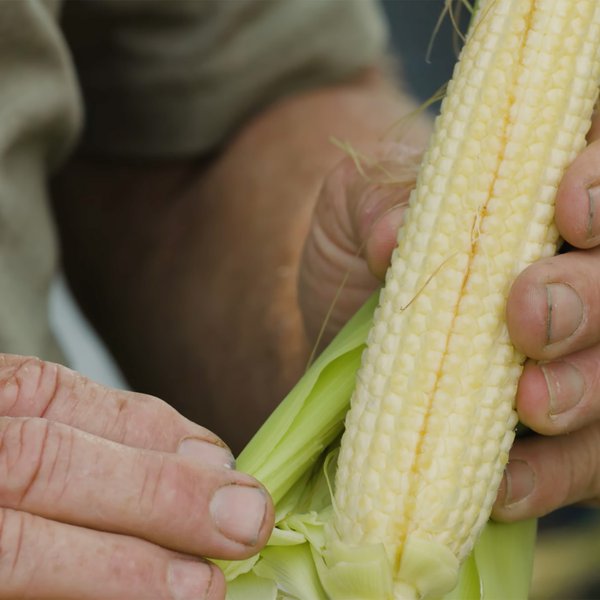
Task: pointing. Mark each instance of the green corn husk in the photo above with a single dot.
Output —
(294, 456)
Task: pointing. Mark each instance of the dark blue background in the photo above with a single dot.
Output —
(412, 25)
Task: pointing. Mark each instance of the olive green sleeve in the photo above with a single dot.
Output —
(39, 118)
(175, 78)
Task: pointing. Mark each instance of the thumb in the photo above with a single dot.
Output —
(377, 202)
(381, 239)
(353, 233)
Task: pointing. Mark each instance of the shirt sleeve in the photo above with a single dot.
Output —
(39, 120)
(166, 79)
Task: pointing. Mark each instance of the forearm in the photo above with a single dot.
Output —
(198, 265)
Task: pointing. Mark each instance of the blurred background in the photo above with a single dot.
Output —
(568, 558)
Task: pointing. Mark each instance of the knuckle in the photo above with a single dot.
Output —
(333, 182)
(133, 416)
(146, 421)
(28, 386)
(118, 424)
(147, 498)
(22, 452)
(165, 487)
(334, 200)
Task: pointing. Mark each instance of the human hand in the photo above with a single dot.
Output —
(553, 316)
(352, 235)
(354, 231)
(107, 494)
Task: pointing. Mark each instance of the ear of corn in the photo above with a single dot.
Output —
(294, 555)
(432, 416)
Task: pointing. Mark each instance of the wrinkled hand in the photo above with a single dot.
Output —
(110, 494)
(553, 314)
(352, 235)
(554, 317)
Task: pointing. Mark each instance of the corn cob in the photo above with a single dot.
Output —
(432, 417)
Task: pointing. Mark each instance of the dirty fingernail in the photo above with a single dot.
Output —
(565, 312)
(209, 454)
(519, 481)
(189, 579)
(593, 200)
(565, 386)
(239, 512)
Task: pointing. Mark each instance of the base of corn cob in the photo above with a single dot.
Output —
(432, 417)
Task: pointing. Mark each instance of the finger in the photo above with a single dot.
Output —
(331, 279)
(553, 308)
(381, 240)
(355, 204)
(30, 387)
(352, 235)
(333, 273)
(43, 559)
(594, 132)
(545, 473)
(578, 199)
(190, 505)
(377, 204)
(561, 396)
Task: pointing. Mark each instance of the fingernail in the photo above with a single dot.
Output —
(519, 481)
(189, 579)
(593, 198)
(565, 386)
(238, 512)
(565, 312)
(211, 455)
